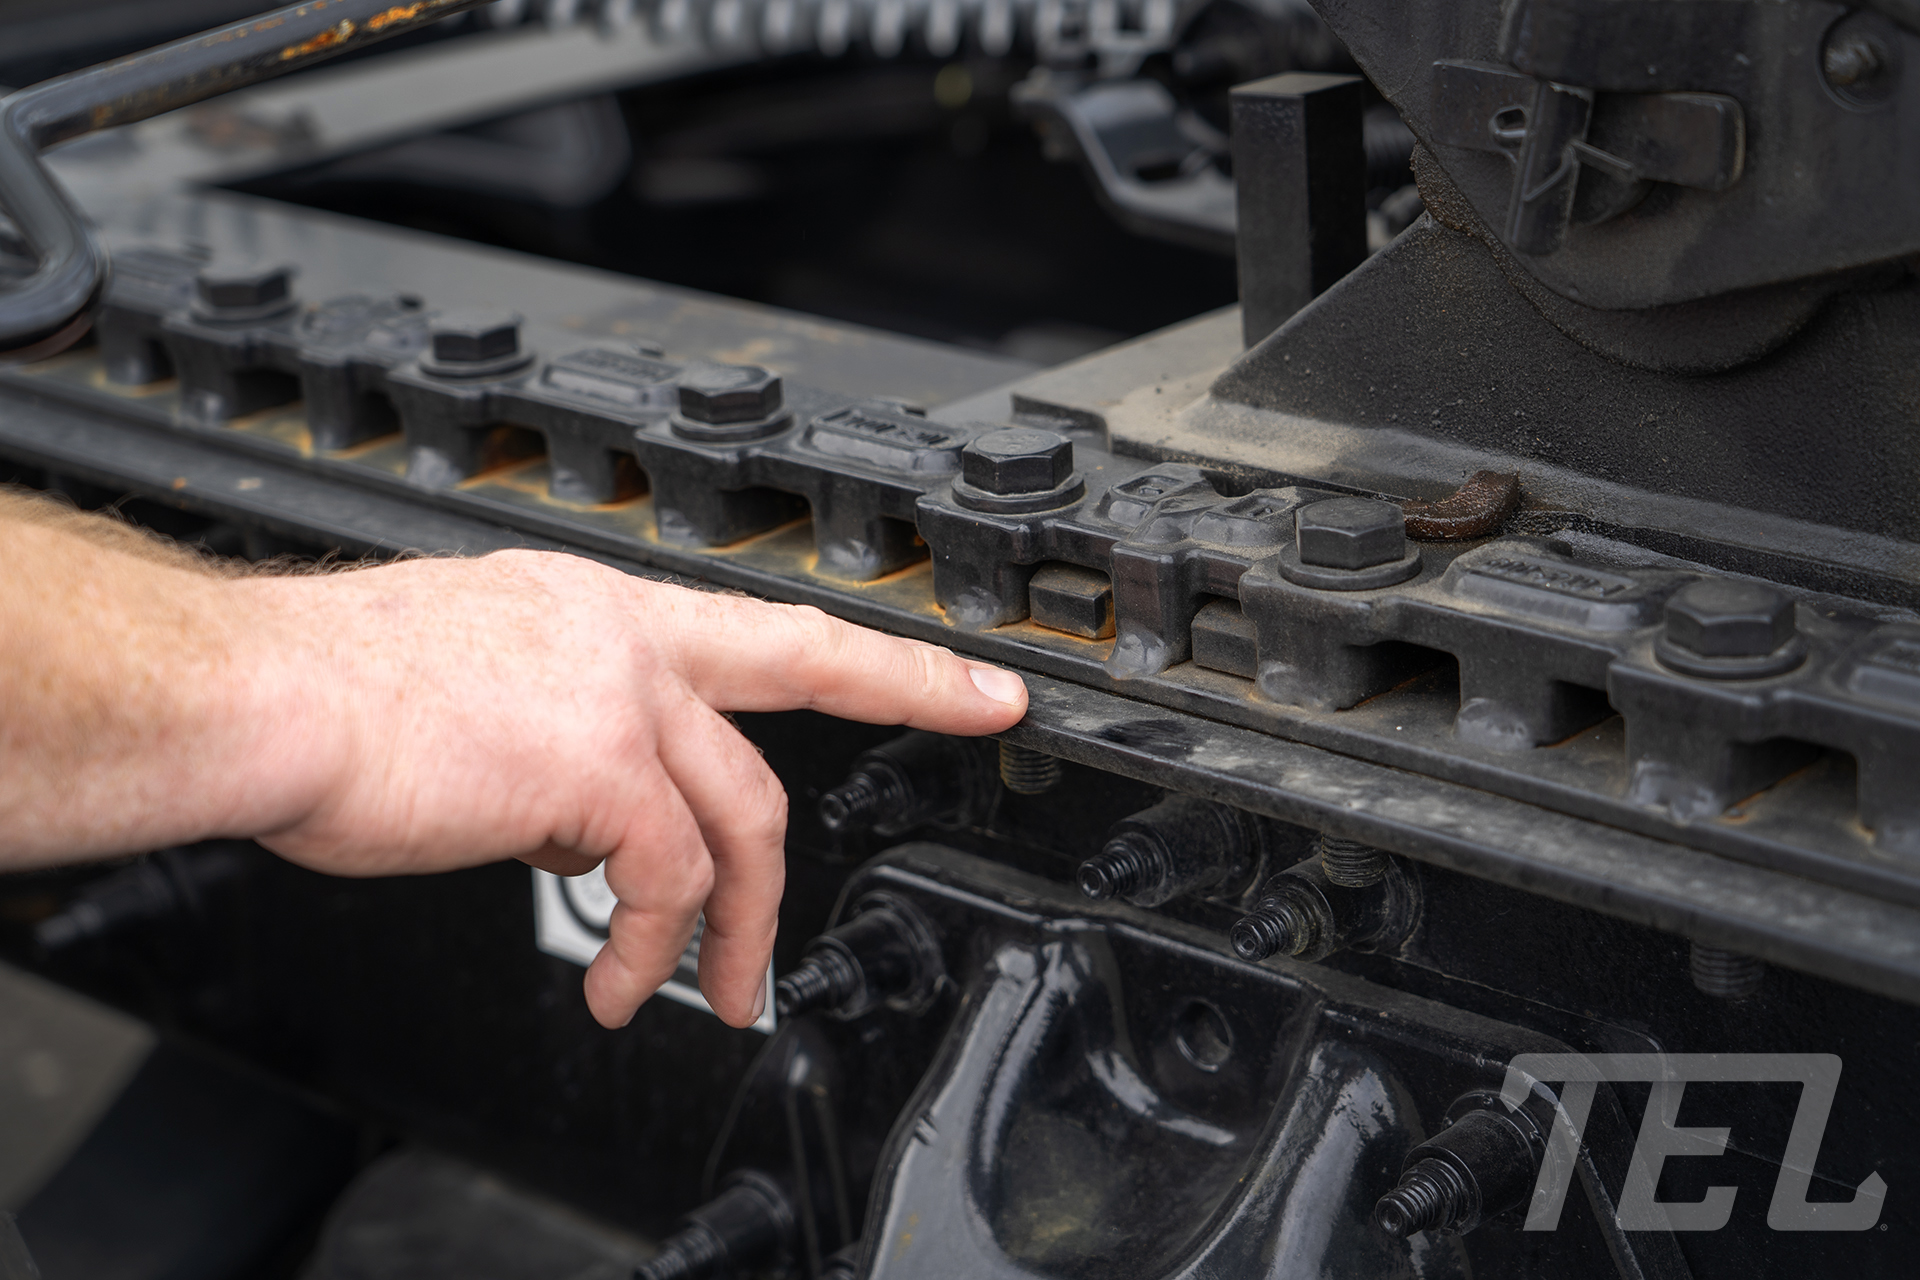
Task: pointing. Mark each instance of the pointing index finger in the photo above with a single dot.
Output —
(748, 655)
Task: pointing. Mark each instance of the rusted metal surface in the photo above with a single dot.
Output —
(1476, 509)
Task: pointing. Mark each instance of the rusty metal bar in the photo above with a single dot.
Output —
(52, 306)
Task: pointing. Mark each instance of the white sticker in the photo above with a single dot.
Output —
(570, 915)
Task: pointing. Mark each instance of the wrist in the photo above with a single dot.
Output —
(283, 722)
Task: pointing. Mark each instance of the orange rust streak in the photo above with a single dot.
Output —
(325, 40)
(399, 13)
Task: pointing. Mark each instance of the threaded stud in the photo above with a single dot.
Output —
(1723, 974)
(1279, 926)
(1430, 1195)
(1027, 772)
(690, 1254)
(1351, 864)
(1127, 865)
(854, 805)
(825, 979)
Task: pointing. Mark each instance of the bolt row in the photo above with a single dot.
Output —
(1057, 30)
(1716, 628)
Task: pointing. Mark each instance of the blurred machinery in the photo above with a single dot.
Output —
(1491, 641)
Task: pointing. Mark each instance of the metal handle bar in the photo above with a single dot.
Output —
(52, 307)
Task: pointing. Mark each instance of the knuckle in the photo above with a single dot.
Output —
(817, 630)
(665, 881)
(690, 887)
(766, 817)
(929, 668)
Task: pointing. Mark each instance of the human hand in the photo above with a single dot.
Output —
(445, 713)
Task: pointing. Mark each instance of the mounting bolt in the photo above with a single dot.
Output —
(1431, 1195)
(1349, 863)
(1126, 865)
(1726, 975)
(1027, 772)
(1482, 1164)
(723, 394)
(1350, 533)
(917, 779)
(741, 1229)
(885, 952)
(856, 804)
(244, 290)
(1304, 913)
(1180, 846)
(1017, 461)
(826, 979)
(1285, 923)
(473, 341)
(1727, 618)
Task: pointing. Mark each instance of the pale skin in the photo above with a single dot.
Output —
(435, 714)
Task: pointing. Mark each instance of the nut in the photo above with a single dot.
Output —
(719, 394)
(244, 286)
(1015, 461)
(1350, 533)
(478, 335)
(1724, 618)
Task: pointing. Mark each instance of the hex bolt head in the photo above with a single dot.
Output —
(1350, 533)
(1018, 460)
(244, 286)
(720, 394)
(476, 335)
(1724, 618)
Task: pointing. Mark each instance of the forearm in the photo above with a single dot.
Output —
(132, 680)
(439, 714)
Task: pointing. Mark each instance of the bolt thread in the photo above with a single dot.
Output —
(1351, 864)
(852, 806)
(1430, 1195)
(689, 1254)
(1727, 975)
(1027, 772)
(826, 979)
(1278, 926)
(1127, 865)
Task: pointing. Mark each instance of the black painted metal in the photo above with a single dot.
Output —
(1576, 782)
(1300, 183)
(1113, 1097)
(1548, 644)
(1793, 176)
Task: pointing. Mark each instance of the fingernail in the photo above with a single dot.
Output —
(1001, 686)
(760, 1003)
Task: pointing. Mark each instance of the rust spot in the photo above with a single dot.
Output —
(1474, 510)
(401, 13)
(332, 38)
